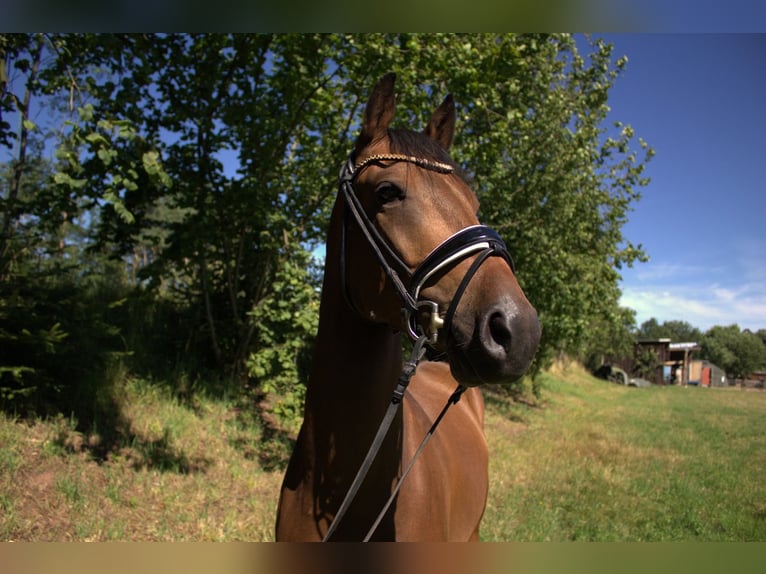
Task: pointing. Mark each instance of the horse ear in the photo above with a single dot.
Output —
(379, 111)
(441, 127)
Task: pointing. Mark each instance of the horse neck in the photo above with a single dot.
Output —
(355, 363)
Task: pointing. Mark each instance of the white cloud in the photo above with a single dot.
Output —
(700, 306)
(719, 291)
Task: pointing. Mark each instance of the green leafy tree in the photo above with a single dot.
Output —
(251, 98)
(59, 332)
(20, 59)
(608, 339)
(647, 364)
(676, 331)
(739, 353)
(553, 178)
(207, 165)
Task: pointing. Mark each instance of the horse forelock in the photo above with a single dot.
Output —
(415, 144)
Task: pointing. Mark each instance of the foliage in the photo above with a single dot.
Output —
(286, 322)
(676, 331)
(739, 353)
(233, 226)
(201, 169)
(646, 363)
(608, 338)
(59, 340)
(553, 179)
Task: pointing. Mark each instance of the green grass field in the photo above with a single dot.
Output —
(592, 461)
(601, 462)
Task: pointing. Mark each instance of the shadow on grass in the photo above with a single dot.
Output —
(512, 406)
(276, 449)
(117, 441)
(159, 454)
(259, 437)
(272, 452)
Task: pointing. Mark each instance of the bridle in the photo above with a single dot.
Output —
(461, 245)
(476, 239)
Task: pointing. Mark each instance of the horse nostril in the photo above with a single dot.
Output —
(499, 330)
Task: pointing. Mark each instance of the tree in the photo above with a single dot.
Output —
(207, 165)
(552, 178)
(608, 339)
(676, 331)
(647, 363)
(19, 55)
(739, 353)
(58, 295)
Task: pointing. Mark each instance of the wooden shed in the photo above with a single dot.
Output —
(671, 362)
(680, 360)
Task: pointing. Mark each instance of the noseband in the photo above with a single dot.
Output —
(468, 241)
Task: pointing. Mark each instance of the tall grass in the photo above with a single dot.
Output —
(593, 461)
(603, 462)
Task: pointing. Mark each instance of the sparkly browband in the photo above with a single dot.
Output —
(420, 162)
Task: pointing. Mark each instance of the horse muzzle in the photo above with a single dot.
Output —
(490, 330)
(496, 347)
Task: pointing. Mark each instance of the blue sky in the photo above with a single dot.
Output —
(700, 101)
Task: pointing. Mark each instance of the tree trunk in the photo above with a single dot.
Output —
(18, 165)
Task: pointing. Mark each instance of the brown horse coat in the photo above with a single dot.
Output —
(357, 357)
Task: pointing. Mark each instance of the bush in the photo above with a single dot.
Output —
(59, 342)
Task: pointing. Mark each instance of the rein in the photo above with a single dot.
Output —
(404, 379)
(408, 370)
(466, 242)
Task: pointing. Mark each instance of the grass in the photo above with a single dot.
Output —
(186, 472)
(593, 461)
(602, 462)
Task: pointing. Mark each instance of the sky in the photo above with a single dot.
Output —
(700, 101)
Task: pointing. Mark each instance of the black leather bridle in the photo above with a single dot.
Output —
(476, 239)
(468, 241)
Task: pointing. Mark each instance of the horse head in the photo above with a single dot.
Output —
(453, 277)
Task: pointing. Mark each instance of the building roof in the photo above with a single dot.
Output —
(683, 346)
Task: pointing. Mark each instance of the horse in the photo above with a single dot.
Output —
(405, 253)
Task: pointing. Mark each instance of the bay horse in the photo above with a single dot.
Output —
(405, 254)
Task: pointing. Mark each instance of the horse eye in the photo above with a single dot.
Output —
(387, 192)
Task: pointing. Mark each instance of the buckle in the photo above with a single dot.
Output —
(435, 323)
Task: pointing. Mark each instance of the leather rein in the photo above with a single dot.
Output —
(472, 240)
